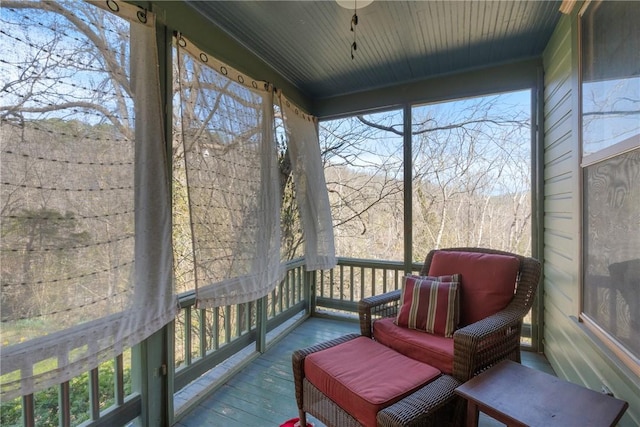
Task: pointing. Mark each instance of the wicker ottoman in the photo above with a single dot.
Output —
(355, 381)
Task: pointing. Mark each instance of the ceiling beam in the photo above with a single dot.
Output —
(492, 79)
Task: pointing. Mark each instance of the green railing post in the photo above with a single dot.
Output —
(261, 326)
(171, 368)
(150, 379)
(309, 290)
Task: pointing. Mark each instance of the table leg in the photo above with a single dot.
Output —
(472, 414)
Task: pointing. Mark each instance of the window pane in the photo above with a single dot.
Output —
(611, 76)
(472, 174)
(612, 247)
(363, 167)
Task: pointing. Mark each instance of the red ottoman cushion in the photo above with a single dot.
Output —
(364, 377)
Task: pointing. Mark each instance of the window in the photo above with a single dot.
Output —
(611, 171)
(472, 173)
(363, 166)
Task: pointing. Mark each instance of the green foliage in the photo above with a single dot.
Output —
(11, 413)
(47, 410)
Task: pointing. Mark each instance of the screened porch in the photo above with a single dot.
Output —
(191, 190)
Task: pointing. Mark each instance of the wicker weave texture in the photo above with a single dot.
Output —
(432, 405)
(326, 410)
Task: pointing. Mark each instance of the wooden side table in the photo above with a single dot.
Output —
(520, 396)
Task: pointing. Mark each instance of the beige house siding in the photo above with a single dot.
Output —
(574, 352)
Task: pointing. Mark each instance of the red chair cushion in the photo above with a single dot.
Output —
(430, 304)
(487, 284)
(364, 377)
(434, 350)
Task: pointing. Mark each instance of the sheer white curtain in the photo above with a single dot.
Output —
(310, 187)
(84, 194)
(230, 158)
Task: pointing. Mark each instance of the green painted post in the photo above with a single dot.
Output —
(310, 291)
(261, 338)
(149, 376)
(408, 191)
(537, 202)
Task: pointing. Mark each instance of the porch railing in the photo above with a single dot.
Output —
(338, 290)
(202, 339)
(205, 338)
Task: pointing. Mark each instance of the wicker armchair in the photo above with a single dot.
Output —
(479, 345)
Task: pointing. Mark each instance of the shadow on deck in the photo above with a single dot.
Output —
(262, 394)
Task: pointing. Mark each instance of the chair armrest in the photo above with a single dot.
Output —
(424, 407)
(484, 343)
(376, 307)
(298, 356)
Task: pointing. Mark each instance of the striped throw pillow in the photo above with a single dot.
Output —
(430, 304)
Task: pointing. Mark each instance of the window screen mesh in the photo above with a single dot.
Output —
(612, 247)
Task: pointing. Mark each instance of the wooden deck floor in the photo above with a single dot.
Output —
(262, 394)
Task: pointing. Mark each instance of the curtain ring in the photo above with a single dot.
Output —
(111, 4)
(142, 16)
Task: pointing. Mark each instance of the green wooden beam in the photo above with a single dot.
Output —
(475, 82)
(407, 165)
